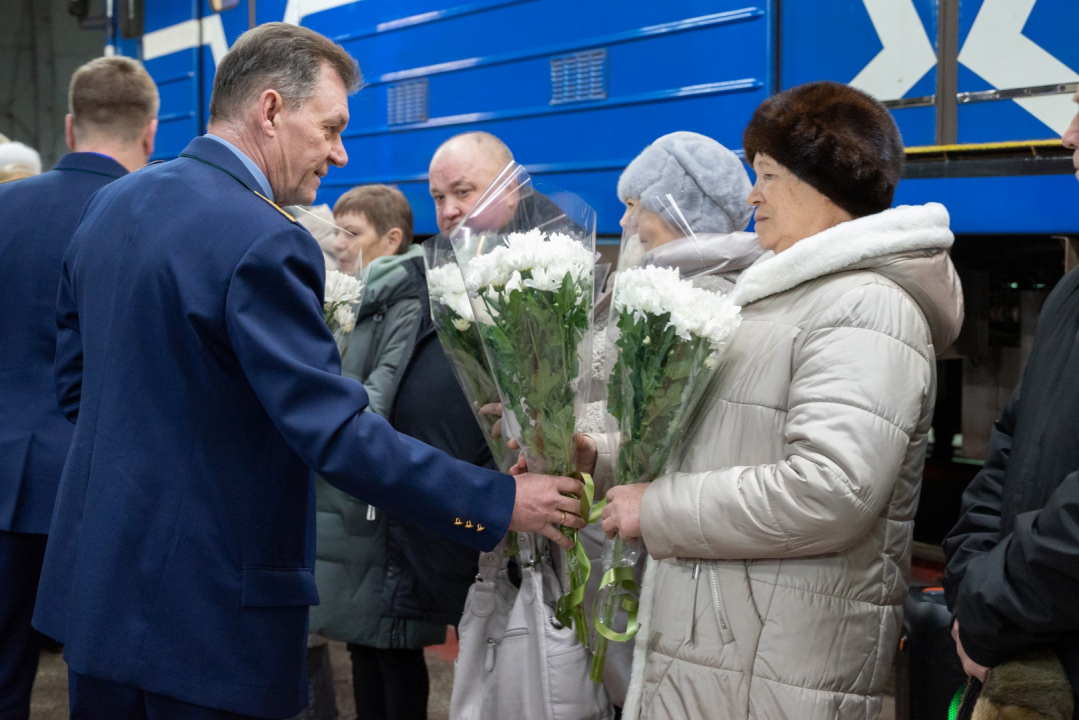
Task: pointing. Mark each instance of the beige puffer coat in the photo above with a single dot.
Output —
(781, 548)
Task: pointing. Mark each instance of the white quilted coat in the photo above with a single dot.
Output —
(781, 547)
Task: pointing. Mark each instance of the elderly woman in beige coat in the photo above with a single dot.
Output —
(780, 545)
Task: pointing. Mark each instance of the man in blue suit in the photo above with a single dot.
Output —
(110, 129)
(205, 387)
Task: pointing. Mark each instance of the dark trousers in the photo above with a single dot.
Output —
(95, 699)
(389, 684)
(21, 556)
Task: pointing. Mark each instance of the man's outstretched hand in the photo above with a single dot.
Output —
(541, 506)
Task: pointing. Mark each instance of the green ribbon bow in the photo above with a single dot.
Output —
(567, 604)
(619, 578)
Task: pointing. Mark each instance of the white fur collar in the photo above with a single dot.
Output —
(902, 229)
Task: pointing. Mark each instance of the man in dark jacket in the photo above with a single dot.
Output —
(1012, 578)
(110, 130)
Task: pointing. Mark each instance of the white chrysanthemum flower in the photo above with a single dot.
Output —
(346, 319)
(654, 290)
(548, 258)
(447, 287)
(444, 281)
(462, 324)
(514, 283)
(342, 288)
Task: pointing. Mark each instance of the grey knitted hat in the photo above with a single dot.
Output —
(706, 179)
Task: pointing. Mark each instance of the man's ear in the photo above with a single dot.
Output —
(270, 107)
(69, 131)
(147, 140)
(393, 240)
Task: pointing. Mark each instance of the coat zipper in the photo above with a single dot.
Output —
(692, 629)
(717, 602)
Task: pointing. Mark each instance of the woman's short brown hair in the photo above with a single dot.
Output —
(384, 207)
(112, 96)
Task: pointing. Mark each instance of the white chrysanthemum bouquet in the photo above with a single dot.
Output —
(456, 328)
(340, 305)
(528, 270)
(666, 337)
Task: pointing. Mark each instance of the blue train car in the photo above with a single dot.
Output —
(981, 89)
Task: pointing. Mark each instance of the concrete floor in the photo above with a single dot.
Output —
(49, 701)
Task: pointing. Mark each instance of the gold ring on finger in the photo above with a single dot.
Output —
(563, 520)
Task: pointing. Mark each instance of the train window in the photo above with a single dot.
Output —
(223, 5)
(131, 18)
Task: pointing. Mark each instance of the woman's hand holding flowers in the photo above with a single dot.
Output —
(622, 515)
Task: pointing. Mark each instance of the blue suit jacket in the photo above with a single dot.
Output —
(206, 387)
(38, 216)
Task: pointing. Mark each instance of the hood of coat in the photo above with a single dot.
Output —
(708, 253)
(908, 245)
(387, 281)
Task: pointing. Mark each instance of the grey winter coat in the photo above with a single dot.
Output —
(350, 567)
(781, 546)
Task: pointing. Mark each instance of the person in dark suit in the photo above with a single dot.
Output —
(110, 130)
(205, 387)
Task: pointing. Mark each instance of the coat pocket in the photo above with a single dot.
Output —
(277, 587)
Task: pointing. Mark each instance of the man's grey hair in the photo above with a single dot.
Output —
(282, 57)
(487, 142)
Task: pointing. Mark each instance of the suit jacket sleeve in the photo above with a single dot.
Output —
(67, 365)
(288, 355)
(1023, 591)
(978, 529)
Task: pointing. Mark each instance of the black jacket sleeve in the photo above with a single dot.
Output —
(1024, 591)
(978, 529)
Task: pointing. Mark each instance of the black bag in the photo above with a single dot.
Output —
(929, 675)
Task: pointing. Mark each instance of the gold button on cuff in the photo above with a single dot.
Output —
(458, 522)
(479, 528)
(468, 524)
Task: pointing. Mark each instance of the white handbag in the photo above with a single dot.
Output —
(515, 660)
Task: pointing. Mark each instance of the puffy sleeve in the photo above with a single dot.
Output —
(860, 378)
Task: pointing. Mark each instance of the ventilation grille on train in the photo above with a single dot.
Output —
(579, 77)
(407, 102)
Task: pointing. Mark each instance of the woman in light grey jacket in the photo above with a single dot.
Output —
(780, 547)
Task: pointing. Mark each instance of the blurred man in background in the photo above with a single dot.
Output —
(110, 130)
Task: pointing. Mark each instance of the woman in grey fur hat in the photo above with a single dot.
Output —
(709, 185)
